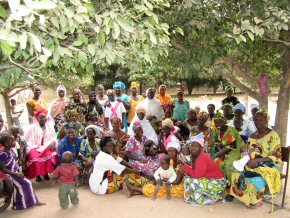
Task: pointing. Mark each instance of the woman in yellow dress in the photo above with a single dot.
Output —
(35, 103)
(263, 169)
(135, 99)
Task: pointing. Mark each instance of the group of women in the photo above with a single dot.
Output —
(117, 142)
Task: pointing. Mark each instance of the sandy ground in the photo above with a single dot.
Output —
(118, 205)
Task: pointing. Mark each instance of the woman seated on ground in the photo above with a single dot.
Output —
(177, 189)
(181, 106)
(167, 135)
(148, 130)
(204, 182)
(263, 169)
(41, 147)
(191, 121)
(121, 137)
(228, 112)
(228, 147)
(106, 177)
(202, 131)
(135, 152)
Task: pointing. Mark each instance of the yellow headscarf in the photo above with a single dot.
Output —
(135, 85)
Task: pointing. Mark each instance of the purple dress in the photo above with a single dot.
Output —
(23, 196)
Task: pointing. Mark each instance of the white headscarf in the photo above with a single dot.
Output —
(174, 144)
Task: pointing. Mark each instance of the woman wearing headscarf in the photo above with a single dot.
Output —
(41, 147)
(244, 126)
(204, 182)
(230, 99)
(135, 152)
(35, 103)
(181, 106)
(228, 112)
(77, 103)
(154, 112)
(177, 188)
(191, 120)
(58, 107)
(263, 169)
(163, 97)
(148, 130)
(168, 135)
(135, 99)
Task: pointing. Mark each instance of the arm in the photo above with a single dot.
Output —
(126, 105)
(178, 179)
(30, 113)
(125, 163)
(173, 177)
(133, 157)
(5, 170)
(222, 152)
(128, 170)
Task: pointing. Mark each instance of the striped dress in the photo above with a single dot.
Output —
(23, 195)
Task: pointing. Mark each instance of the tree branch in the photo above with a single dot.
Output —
(178, 46)
(6, 67)
(16, 92)
(286, 43)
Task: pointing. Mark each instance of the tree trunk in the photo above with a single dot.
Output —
(189, 86)
(7, 109)
(281, 120)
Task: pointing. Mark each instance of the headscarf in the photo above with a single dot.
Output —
(153, 89)
(168, 122)
(70, 113)
(136, 125)
(174, 144)
(229, 105)
(252, 106)
(141, 110)
(39, 112)
(203, 114)
(61, 87)
(265, 113)
(94, 127)
(229, 88)
(58, 105)
(135, 85)
(198, 140)
(192, 111)
(119, 84)
(219, 115)
(164, 99)
(240, 106)
(176, 129)
(109, 91)
(180, 90)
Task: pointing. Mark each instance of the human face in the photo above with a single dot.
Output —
(164, 165)
(116, 124)
(139, 132)
(227, 110)
(191, 115)
(186, 151)
(92, 98)
(210, 110)
(134, 91)
(37, 92)
(91, 134)
(260, 121)
(165, 130)
(238, 123)
(180, 96)
(111, 96)
(162, 90)
(61, 93)
(109, 147)
(195, 149)
(150, 94)
(73, 118)
(197, 109)
(219, 123)
(10, 143)
(13, 102)
(201, 120)
(141, 116)
(76, 96)
(42, 119)
(118, 91)
(101, 91)
(15, 132)
(238, 114)
(254, 111)
(71, 134)
(229, 93)
(172, 153)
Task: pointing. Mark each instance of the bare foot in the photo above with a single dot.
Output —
(128, 192)
(255, 206)
(40, 204)
(153, 198)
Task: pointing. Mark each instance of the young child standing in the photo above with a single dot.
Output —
(67, 173)
(164, 175)
(24, 196)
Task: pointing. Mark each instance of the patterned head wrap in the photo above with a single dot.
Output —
(168, 122)
(71, 112)
(265, 113)
(119, 84)
(174, 144)
(61, 87)
(39, 112)
(140, 110)
(229, 88)
(228, 105)
(241, 107)
(137, 124)
(219, 115)
(135, 85)
(150, 89)
(203, 114)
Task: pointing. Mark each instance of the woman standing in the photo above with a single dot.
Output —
(263, 170)
(41, 147)
(135, 99)
(204, 182)
(163, 97)
(102, 98)
(181, 107)
(211, 113)
(78, 104)
(58, 107)
(36, 103)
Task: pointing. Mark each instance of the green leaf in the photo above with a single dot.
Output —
(257, 20)
(251, 35)
(55, 22)
(23, 40)
(77, 43)
(236, 30)
(6, 47)
(43, 5)
(180, 31)
(89, 6)
(82, 56)
(153, 38)
(3, 12)
(36, 42)
(43, 58)
(63, 21)
(102, 37)
(55, 58)
(64, 51)
(245, 25)
(285, 26)
(116, 30)
(92, 49)
(125, 24)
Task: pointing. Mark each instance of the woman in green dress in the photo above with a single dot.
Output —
(181, 107)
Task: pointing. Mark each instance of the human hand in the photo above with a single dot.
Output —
(122, 126)
(252, 163)
(150, 117)
(143, 161)
(20, 174)
(167, 183)
(120, 100)
(52, 146)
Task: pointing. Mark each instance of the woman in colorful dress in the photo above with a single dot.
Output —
(204, 182)
(211, 113)
(24, 196)
(36, 103)
(228, 146)
(167, 135)
(191, 121)
(135, 152)
(177, 188)
(202, 131)
(101, 97)
(135, 99)
(58, 107)
(78, 104)
(228, 112)
(41, 147)
(181, 107)
(264, 169)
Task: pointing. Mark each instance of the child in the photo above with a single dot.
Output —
(150, 148)
(15, 114)
(67, 174)
(185, 154)
(24, 196)
(164, 175)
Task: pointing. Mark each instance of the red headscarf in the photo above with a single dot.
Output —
(39, 112)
